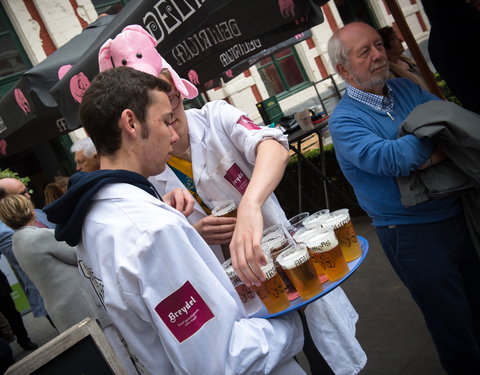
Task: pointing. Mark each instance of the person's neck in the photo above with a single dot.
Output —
(181, 148)
(126, 162)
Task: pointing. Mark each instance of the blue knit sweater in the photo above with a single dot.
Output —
(371, 156)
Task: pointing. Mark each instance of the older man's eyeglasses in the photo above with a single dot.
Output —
(24, 192)
(174, 100)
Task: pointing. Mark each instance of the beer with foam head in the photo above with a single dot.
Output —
(315, 219)
(299, 268)
(272, 291)
(226, 209)
(342, 224)
(301, 236)
(327, 254)
(250, 300)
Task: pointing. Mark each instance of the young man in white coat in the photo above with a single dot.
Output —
(221, 154)
(159, 281)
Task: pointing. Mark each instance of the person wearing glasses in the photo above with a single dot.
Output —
(222, 155)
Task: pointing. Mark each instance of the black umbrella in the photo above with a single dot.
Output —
(246, 63)
(29, 114)
(200, 40)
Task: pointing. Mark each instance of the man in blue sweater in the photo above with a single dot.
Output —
(427, 244)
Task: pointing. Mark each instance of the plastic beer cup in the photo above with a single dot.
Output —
(301, 236)
(342, 224)
(299, 268)
(315, 219)
(273, 247)
(272, 290)
(295, 222)
(226, 208)
(248, 297)
(327, 254)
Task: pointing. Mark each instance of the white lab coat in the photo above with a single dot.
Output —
(141, 254)
(217, 141)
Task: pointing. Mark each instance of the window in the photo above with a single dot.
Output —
(282, 72)
(356, 10)
(13, 59)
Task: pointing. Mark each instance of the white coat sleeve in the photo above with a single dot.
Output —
(164, 280)
(244, 133)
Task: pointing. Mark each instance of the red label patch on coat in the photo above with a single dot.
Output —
(247, 123)
(184, 312)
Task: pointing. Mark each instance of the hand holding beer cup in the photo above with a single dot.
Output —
(216, 230)
(298, 266)
(246, 250)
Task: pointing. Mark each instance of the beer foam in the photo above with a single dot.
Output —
(303, 233)
(224, 208)
(322, 241)
(293, 257)
(336, 221)
(316, 218)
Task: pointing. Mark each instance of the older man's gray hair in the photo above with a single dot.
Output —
(86, 146)
(337, 52)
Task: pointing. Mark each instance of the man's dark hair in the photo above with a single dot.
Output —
(110, 93)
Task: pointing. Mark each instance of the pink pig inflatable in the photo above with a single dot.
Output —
(135, 47)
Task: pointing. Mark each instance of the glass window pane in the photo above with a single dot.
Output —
(272, 80)
(10, 59)
(291, 71)
(265, 61)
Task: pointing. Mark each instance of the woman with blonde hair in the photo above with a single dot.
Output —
(51, 265)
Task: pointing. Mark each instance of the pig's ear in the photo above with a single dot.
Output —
(141, 30)
(105, 57)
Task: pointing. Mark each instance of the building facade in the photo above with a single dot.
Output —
(296, 77)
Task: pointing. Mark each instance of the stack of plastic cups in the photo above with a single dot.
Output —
(250, 300)
(295, 223)
(341, 223)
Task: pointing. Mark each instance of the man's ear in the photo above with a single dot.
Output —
(343, 71)
(129, 123)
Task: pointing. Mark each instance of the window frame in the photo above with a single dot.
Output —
(7, 82)
(275, 61)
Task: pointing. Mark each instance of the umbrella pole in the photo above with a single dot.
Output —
(413, 46)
